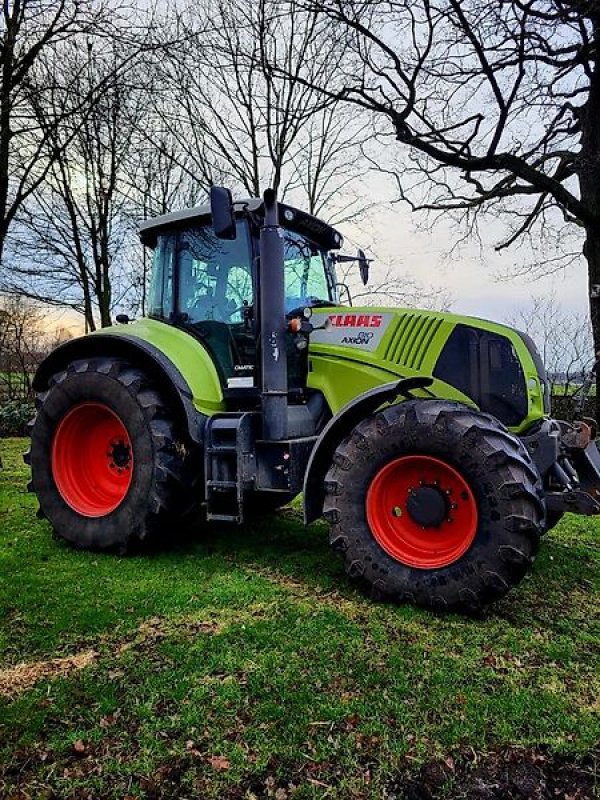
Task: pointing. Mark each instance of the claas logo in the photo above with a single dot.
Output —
(356, 320)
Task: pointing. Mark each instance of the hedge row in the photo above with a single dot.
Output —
(14, 416)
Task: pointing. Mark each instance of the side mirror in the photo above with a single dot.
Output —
(221, 209)
(363, 267)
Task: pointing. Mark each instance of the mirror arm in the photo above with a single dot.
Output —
(347, 288)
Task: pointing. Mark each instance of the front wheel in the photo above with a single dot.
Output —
(433, 503)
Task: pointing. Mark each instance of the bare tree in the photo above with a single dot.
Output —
(22, 346)
(31, 34)
(497, 104)
(160, 179)
(72, 239)
(563, 338)
(240, 124)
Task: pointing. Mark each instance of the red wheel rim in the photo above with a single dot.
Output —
(422, 511)
(92, 459)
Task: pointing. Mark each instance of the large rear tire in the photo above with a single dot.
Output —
(109, 464)
(433, 503)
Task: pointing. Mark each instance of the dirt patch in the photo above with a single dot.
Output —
(510, 774)
(22, 677)
(16, 680)
(156, 629)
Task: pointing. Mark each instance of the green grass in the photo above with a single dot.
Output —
(245, 655)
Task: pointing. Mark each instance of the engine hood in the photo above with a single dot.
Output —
(459, 352)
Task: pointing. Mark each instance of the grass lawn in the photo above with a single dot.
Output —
(244, 664)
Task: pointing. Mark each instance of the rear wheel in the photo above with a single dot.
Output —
(108, 461)
(436, 504)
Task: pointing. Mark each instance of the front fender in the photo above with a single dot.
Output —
(340, 426)
(138, 352)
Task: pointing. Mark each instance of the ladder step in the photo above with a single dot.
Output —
(226, 437)
(222, 518)
(221, 449)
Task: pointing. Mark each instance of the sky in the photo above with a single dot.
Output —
(471, 274)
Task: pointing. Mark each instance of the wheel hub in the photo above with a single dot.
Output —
(427, 506)
(119, 455)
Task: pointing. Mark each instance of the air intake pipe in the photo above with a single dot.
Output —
(272, 323)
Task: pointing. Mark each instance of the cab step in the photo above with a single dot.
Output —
(229, 465)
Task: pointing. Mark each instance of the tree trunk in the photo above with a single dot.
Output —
(592, 253)
(88, 311)
(6, 67)
(104, 299)
(589, 184)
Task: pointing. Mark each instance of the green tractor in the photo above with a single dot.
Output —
(422, 437)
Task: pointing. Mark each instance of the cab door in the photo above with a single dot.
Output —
(215, 298)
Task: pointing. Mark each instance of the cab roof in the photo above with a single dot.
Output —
(289, 217)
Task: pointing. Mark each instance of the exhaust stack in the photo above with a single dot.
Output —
(272, 324)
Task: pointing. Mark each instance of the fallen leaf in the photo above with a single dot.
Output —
(219, 763)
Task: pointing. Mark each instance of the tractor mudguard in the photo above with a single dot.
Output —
(338, 427)
(139, 352)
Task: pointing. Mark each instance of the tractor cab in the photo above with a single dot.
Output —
(210, 286)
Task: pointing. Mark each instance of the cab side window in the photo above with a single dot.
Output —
(305, 275)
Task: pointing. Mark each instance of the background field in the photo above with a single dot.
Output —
(243, 664)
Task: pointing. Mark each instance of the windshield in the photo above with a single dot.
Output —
(306, 277)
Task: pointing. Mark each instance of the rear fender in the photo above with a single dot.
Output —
(340, 426)
(139, 352)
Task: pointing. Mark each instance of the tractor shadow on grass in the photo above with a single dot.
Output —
(562, 578)
(276, 543)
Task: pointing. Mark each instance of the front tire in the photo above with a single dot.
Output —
(433, 503)
(107, 459)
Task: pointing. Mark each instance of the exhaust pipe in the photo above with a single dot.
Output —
(273, 357)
